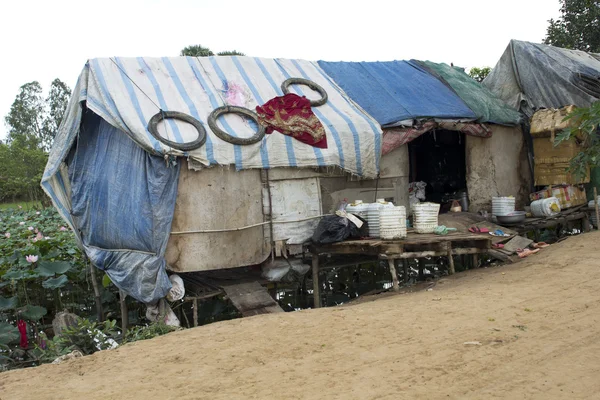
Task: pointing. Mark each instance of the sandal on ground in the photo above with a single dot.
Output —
(526, 252)
(540, 245)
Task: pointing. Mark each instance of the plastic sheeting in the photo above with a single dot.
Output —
(127, 92)
(396, 91)
(122, 202)
(487, 107)
(530, 76)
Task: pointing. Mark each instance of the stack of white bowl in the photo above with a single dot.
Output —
(373, 216)
(392, 223)
(503, 205)
(425, 217)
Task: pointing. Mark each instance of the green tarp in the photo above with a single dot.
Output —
(484, 104)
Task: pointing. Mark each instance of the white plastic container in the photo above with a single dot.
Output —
(425, 217)
(545, 207)
(358, 208)
(373, 216)
(392, 223)
(503, 205)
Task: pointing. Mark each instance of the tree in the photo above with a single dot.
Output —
(196, 51)
(56, 103)
(200, 51)
(33, 122)
(577, 28)
(230, 53)
(479, 74)
(26, 117)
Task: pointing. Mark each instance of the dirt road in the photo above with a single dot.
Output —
(535, 324)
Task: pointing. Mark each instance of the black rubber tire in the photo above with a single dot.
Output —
(310, 84)
(188, 146)
(221, 134)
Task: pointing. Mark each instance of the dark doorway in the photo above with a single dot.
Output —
(438, 159)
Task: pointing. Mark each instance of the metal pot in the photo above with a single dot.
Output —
(513, 218)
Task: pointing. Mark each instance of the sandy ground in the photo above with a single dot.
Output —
(537, 323)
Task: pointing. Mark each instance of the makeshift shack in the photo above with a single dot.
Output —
(142, 203)
(546, 83)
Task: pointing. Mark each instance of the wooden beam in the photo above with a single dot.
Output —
(596, 208)
(315, 274)
(195, 306)
(124, 312)
(99, 310)
(395, 284)
(450, 259)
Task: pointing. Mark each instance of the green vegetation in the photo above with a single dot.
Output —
(584, 129)
(479, 74)
(578, 26)
(201, 51)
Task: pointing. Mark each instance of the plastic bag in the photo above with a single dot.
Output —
(177, 290)
(332, 229)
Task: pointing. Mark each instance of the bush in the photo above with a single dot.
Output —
(86, 336)
(147, 332)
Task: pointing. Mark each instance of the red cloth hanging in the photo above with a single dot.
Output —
(22, 326)
(293, 116)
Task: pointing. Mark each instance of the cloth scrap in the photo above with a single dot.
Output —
(292, 115)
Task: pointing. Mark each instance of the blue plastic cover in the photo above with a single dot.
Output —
(394, 91)
(123, 201)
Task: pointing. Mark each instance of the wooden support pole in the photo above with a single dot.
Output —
(99, 310)
(450, 259)
(395, 284)
(596, 207)
(124, 312)
(315, 274)
(475, 260)
(195, 307)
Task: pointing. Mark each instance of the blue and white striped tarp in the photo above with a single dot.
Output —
(127, 92)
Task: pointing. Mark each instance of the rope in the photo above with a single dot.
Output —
(249, 226)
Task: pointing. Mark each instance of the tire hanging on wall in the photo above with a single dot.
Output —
(300, 81)
(221, 134)
(187, 146)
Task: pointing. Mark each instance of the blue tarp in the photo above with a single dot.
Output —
(123, 201)
(395, 91)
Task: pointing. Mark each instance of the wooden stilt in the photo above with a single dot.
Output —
(475, 259)
(99, 310)
(315, 274)
(124, 312)
(596, 207)
(195, 306)
(450, 259)
(392, 265)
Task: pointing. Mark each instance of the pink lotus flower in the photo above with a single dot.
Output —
(62, 228)
(20, 207)
(36, 230)
(7, 235)
(31, 258)
(30, 228)
(37, 237)
(21, 223)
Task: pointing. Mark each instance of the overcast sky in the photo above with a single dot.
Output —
(42, 40)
